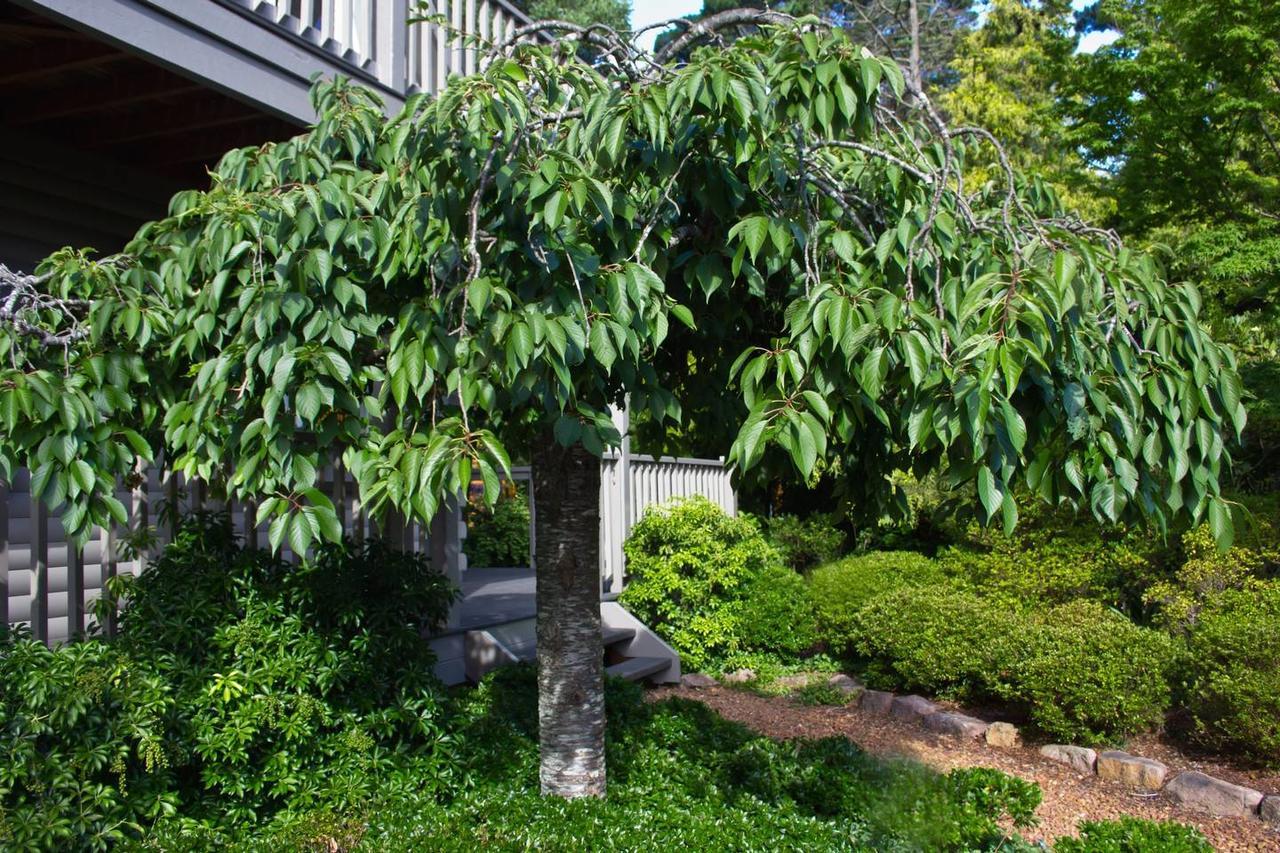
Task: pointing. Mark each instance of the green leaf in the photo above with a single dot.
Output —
(989, 492)
(1220, 523)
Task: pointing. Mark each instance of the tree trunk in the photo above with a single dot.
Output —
(566, 485)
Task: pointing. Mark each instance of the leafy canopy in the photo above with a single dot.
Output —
(508, 259)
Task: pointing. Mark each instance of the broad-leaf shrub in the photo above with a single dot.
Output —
(690, 567)
(1232, 687)
(1134, 835)
(839, 589)
(1087, 674)
(804, 542)
(238, 686)
(498, 536)
(86, 752)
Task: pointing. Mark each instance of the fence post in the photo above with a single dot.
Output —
(39, 570)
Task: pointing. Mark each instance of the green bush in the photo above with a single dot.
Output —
(1082, 672)
(1203, 572)
(804, 542)
(87, 756)
(776, 613)
(239, 686)
(498, 536)
(1134, 835)
(937, 639)
(690, 567)
(1232, 687)
(1087, 674)
(839, 589)
(1056, 557)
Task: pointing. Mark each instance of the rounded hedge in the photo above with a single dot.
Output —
(936, 639)
(690, 566)
(1232, 688)
(841, 588)
(776, 614)
(1088, 674)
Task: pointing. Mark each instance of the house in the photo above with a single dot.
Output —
(108, 107)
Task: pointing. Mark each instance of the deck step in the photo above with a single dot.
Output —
(617, 635)
(634, 669)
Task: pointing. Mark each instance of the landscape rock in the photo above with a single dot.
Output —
(740, 676)
(792, 682)
(877, 702)
(956, 725)
(843, 682)
(1003, 735)
(1079, 758)
(912, 708)
(1270, 811)
(1142, 773)
(1217, 797)
(697, 680)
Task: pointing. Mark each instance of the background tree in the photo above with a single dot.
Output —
(615, 14)
(496, 265)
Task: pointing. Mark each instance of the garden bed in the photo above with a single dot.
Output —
(1069, 797)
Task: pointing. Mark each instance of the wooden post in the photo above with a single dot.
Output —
(109, 569)
(4, 552)
(39, 570)
(75, 589)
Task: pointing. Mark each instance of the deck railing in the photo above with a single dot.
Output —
(378, 42)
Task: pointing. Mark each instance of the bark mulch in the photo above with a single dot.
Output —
(1069, 797)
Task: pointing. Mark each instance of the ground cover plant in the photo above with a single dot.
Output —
(498, 535)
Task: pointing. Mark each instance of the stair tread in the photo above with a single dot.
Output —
(617, 635)
(634, 669)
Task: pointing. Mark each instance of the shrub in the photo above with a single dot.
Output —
(1088, 674)
(87, 756)
(690, 566)
(776, 613)
(839, 589)
(1232, 687)
(498, 536)
(1204, 572)
(936, 639)
(239, 686)
(1134, 835)
(804, 542)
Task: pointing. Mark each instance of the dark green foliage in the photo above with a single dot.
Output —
(840, 589)
(1232, 686)
(498, 536)
(804, 542)
(691, 566)
(683, 777)
(820, 693)
(1134, 835)
(1082, 673)
(86, 753)
(777, 614)
(1086, 674)
(937, 639)
(239, 686)
(993, 792)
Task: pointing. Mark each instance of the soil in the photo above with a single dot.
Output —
(1069, 797)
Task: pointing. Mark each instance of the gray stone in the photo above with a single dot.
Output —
(740, 676)
(697, 680)
(877, 702)
(1145, 774)
(1004, 735)
(912, 708)
(792, 682)
(1217, 797)
(843, 682)
(1079, 758)
(1270, 811)
(956, 725)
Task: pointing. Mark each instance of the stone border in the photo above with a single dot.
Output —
(1190, 788)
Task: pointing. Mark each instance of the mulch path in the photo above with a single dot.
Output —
(1069, 797)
